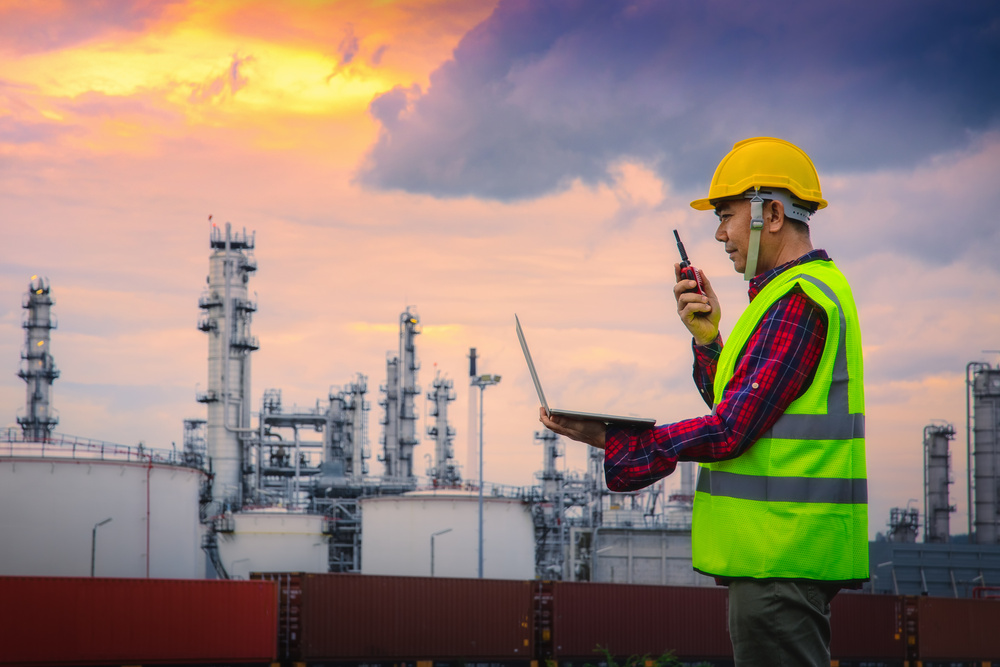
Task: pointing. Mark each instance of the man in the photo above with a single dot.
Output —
(780, 511)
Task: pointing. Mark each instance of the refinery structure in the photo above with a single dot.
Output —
(259, 485)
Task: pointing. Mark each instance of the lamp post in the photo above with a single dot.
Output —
(433, 535)
(895, 584)
(482, 381)
(93, 543)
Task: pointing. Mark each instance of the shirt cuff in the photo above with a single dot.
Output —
(710, 352)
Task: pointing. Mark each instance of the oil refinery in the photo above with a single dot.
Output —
(261, 486)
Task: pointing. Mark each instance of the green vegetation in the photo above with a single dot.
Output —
(667, 659)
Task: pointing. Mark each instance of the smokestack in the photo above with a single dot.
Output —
(472, 447)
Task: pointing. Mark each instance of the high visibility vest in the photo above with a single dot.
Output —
(795, 504)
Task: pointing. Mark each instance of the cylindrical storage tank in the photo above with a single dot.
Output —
(398, 530)
(51, 505)
(275, 540)
(937, 477)
(986, 456)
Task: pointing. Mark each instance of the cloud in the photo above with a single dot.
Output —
(14, 131)
(46, 25)
(231, 81)
(540, 95)
(934, 212)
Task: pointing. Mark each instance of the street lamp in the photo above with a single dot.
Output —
(433, 535)
(892, 571)
(93, 543)
(482, 381)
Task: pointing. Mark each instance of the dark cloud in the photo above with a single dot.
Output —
(543, 93)
(46, 25)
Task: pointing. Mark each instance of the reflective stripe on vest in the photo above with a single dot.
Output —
(782, 489)
(794, 505)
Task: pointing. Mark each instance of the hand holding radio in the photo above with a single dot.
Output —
(697, 304)
(688, 272)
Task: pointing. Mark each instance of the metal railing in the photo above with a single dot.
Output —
(13, 444)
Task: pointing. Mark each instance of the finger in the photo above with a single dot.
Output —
(693, 300)
(684, 287)
(707, 285)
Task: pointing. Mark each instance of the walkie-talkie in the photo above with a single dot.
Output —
(688, 272)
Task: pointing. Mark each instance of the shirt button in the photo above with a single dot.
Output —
(755, 385)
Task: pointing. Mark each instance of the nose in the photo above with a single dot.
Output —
(720, 233)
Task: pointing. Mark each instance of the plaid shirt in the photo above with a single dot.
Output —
(776, 367)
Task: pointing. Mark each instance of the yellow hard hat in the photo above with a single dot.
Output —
(764, 162)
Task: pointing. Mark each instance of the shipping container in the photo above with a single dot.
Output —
(370, 617)
(631, 620)
(954, 629)
(70, 620)
(867, 627)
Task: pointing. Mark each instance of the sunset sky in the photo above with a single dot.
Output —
(473, 159)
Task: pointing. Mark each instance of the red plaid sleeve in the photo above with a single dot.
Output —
(776, 367)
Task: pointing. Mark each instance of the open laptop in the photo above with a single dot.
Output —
(593, 416)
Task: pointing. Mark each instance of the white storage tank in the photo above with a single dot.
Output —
(54, 495)
(274, 540)
(397, 532)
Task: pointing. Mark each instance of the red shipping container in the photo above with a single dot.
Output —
(952, 629)
(69, 620)
(354, 616)
(867, 627)
(638, 620)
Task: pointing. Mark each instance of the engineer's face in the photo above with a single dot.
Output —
(734, 230)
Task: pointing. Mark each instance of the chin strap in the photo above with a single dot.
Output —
(756, 224)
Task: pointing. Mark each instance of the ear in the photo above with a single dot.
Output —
(774, 216)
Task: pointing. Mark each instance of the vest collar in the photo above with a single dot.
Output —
(761, 280)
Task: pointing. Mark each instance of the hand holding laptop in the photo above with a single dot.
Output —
(589, 431)
(570, 422)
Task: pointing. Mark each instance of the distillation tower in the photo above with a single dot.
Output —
(444, 471)
(38, 369)
(400, 421)
(347, 439)
(937, 477)
(983, 418)
(227, 316)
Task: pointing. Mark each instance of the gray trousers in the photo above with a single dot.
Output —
(780, 623)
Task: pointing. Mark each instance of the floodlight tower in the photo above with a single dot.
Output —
(38, 369)
(228, 313)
